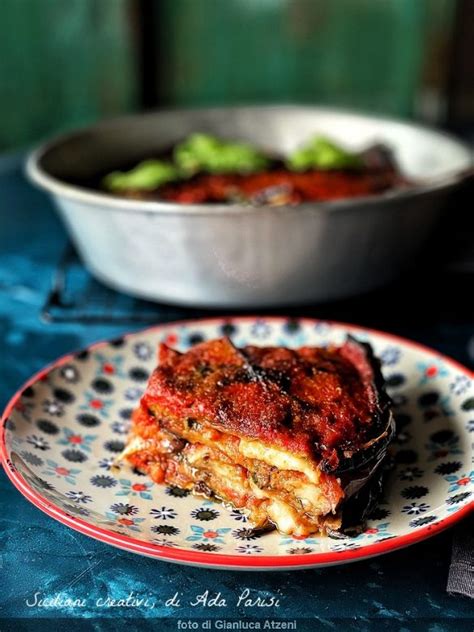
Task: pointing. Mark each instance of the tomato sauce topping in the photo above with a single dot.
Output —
(317, 402)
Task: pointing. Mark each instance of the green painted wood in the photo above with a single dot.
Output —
(63, 63)
(369, 54)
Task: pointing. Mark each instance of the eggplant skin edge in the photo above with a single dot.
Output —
(383, 421)
(363, 474)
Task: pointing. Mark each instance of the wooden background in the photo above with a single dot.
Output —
(65, 63)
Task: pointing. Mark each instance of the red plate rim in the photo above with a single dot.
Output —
(218, 560)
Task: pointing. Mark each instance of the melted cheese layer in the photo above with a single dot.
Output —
(278, 458)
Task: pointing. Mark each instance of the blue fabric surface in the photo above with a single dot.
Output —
(405, 590)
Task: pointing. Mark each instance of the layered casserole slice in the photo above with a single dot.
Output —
(290, 436)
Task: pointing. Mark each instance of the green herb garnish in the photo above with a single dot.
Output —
(147, 175)
(321, 153)
(201, 152)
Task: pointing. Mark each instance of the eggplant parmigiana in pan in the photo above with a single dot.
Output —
(290, 436)
(204, 169)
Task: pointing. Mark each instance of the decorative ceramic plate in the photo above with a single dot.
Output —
(64, 428)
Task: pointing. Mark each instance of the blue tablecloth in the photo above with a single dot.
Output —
(405, 590)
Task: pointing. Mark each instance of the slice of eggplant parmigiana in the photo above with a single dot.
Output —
(296, 438)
